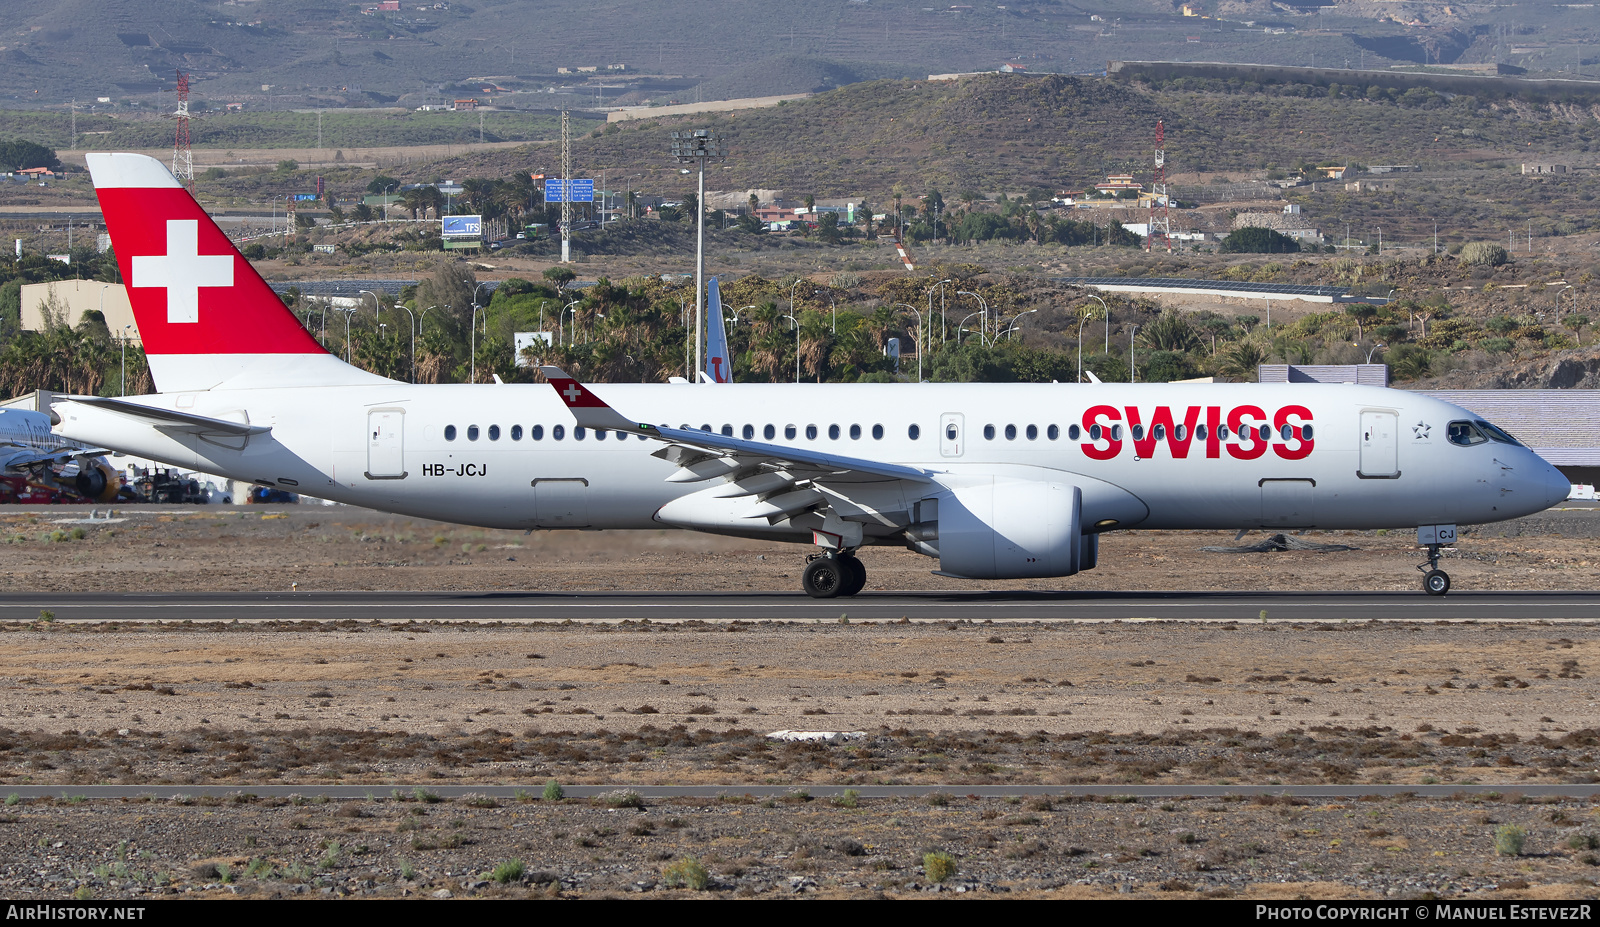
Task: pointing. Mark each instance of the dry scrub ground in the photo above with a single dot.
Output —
(402, 708)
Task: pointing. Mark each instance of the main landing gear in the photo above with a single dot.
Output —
(833, 574)
(1434, 580)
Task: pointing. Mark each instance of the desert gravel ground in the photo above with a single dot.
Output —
(402, 708)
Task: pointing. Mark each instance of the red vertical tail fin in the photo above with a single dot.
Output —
(206, 318)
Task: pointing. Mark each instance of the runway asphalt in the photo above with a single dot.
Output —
(888, 606)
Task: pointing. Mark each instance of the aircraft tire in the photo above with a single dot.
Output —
(1436, 582)
(857, 574)
(824, 578)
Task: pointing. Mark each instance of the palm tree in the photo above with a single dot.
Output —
(1242, 359)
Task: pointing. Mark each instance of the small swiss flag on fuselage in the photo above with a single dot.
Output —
(575, 396)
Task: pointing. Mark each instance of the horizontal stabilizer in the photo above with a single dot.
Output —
(171, 420)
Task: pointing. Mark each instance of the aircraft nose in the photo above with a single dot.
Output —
(1556, 485)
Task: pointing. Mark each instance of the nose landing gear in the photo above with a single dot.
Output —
(833, 574)
(1434, 580)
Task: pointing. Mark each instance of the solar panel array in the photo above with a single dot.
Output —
(1230, 286)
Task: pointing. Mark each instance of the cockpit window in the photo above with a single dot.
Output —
(1465, 434)
(1496, 434)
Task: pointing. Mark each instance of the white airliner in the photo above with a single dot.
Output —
(997, 481)
(28, 448)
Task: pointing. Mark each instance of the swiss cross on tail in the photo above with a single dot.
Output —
(589, 410)
(182, 271)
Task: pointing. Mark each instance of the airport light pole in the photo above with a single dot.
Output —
(697, 147)
(796, 346)
(472, 377)
(1374, 350)
(413, 316)
(920, 333)
(983, 328)
(125, 359)
(1013, 326)
(375, 306)
(940, 287)
(559, 321)
(1082, 318)
(961, 327)
(1107, 309)
(347, 314)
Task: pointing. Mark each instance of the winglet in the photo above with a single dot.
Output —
(590, 410)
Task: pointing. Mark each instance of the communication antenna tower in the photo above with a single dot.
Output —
(182, 156)
(566, 187)
(1159, 224)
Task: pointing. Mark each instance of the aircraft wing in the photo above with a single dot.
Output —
(171, 420)
(703, 455)
(18, 457)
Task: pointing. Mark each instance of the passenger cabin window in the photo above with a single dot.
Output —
(833, 432)
(1465, 434)
(1033, 432)
(1159, 432)
(558, 432)
(789, 432)
(494, 432)
(599, 434)
(727, 431)
(1053, 432)
(1138, 432)
(516, 432)
(749, 432)
(877, 432)
(1073, 432)
(579, 433)
(769, 432)
(914, 432)
(472, 432)
(536, 432)
(811, 432)
(949, 431)
(1011, 432)
(449, 432)
(855, 432)
(988, 432)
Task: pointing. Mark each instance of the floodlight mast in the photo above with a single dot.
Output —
(696, 147)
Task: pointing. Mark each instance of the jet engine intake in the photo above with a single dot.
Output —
(1012, 529)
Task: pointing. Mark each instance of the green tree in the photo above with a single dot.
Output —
(1257, 240)
(20, 154)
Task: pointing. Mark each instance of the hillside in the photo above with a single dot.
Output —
(1011, 134)
(318, 52)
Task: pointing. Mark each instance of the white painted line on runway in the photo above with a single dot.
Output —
(1146, 606)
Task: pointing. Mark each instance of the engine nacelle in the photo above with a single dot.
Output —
(97, 480)
(1011, 529)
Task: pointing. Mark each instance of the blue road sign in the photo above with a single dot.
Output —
(555, 191)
